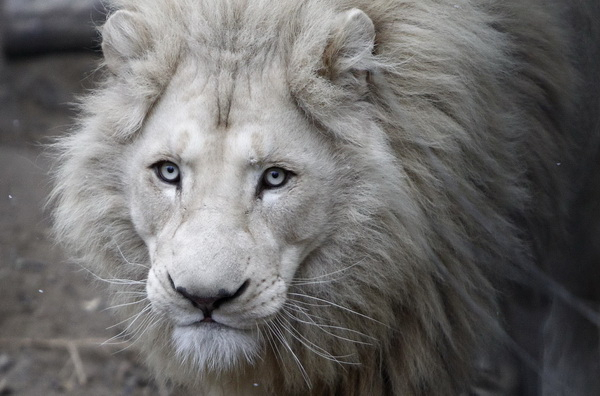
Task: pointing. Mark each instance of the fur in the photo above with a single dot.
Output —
(430, 155)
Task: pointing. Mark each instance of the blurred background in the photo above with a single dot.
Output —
(52, 321)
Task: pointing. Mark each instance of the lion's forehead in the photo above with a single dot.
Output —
(211, 119)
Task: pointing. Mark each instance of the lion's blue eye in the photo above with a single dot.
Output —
(274, 177)
(168, 172)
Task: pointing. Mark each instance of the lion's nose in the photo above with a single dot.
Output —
(207, 304)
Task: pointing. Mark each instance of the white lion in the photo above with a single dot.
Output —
(319, 196)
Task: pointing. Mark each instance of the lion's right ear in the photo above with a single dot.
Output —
(124, 38)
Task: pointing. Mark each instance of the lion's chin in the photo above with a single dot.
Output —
(215, 347)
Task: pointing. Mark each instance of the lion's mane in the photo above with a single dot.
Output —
(471, 97)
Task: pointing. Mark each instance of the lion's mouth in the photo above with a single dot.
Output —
(207, 323)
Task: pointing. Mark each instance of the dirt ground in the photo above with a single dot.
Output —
(52, 322)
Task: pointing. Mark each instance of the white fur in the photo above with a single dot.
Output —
(417, 134)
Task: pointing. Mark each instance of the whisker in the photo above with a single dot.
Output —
(337, 306)
(269, 336)
(307, 303)
(131, 292)
(125, 304)
(126, 260)
(277, 332)
(113, 340)
(146, 325)
(132, 318)
(135, 335)
(310, 280)
(323, 327)
(115, 281)
(317, 350)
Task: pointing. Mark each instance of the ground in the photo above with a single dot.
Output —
(52, 321)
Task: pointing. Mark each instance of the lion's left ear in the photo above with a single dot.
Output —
(349, 51)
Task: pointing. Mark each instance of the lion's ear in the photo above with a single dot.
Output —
(123, 38)
(350, 46)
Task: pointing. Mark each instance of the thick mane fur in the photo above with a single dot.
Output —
(449, 166)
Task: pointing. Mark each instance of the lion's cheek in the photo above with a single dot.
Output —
(148, 211)
(308, 225)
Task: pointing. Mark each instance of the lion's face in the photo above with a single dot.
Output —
(228, 197)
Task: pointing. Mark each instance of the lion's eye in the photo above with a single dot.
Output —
(168, 172)
(274, 177)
